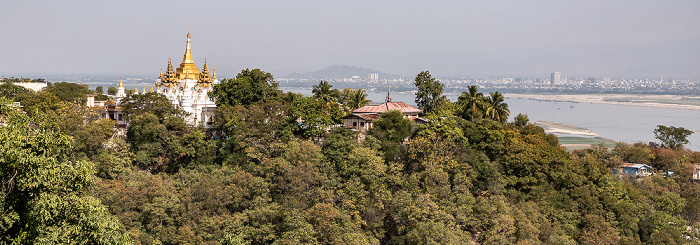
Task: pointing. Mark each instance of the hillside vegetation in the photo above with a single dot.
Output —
(270, 172)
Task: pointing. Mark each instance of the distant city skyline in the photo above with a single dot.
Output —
(627, 38)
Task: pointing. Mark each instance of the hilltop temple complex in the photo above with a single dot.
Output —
(187, 87)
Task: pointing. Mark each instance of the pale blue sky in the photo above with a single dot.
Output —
(450, 38)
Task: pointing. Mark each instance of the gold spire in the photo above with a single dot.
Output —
(151, 88)
(144, 89)
(187, 70)
(121, 85)
(205, 77)
(213, 76)
(136, 89)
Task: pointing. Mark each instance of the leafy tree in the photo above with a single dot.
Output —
(39, 102)
(672, 137)
(248, 87)
(429, 96)
(316, 116)
(254, 132)
(99, 90)
(111, 90)
(496, 109)
(521, 120)
(472, 104)
(41, 196)
(69, 92)
(392, 128)
(147, 136)
(152, 103)
(90, 139)
(10, 90)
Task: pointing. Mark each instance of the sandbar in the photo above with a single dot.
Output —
(658, 101)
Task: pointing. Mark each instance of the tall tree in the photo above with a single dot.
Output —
(429, 96)
(672, 137)
(496, 108)
(249, 86)
(152, 103)
(42, 198)
(472, 104)
(69, 92)
(111, 90)
(10, 90)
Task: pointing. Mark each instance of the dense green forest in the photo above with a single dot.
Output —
(275, 170)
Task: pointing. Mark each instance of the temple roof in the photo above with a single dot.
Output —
(388, 106)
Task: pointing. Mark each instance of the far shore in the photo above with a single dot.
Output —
(658, 101)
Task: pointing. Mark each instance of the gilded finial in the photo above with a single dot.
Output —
(144, 89)
(121, 85)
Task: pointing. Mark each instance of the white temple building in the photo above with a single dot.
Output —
(187, 88)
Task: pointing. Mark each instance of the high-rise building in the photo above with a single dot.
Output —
(373, 77)
(556, 78)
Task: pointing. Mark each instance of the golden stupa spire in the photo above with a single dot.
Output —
(136, 89)
(121, 85)
(213, 75)
(188, 70)
(151, 88)
(144, 89)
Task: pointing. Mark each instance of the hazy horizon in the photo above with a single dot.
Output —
(626, 38)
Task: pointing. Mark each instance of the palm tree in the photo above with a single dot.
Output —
(357, 99)
(496, 109)
(323, 91)
(471, 103)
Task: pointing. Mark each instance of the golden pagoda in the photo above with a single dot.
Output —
(187, 69)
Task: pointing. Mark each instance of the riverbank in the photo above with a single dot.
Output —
(658, 101)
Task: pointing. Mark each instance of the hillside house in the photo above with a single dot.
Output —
(363, 117)
(635, 170)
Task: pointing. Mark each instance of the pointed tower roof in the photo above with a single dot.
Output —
(187, 69)
(121, 85)
(388, 95)
(144, 89)
(205, 77)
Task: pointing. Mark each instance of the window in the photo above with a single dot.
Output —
(362, 124)
(354, 124)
